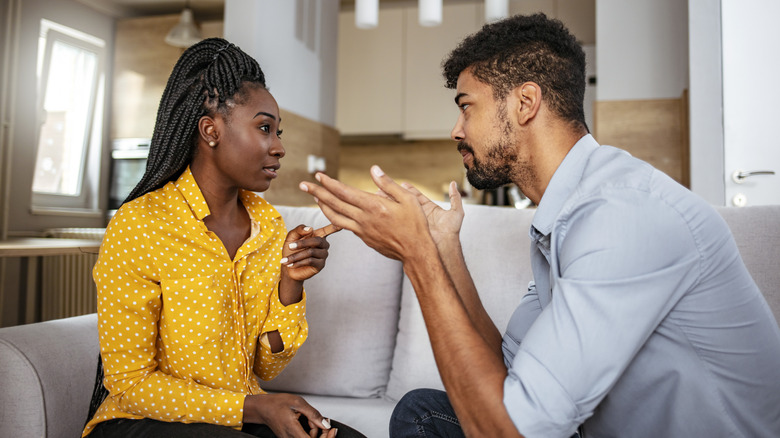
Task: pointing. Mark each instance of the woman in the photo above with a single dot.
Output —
(199, 290)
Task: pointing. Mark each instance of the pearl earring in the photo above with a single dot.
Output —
(212, 143)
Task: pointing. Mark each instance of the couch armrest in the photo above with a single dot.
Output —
(47, 372)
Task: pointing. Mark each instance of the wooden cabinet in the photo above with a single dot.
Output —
(389, 77)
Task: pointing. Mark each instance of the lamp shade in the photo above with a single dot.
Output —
(185, 33)
(430, 12)
(496, 10)
(366, 14)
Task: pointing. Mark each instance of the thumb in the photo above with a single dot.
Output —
(456, 203)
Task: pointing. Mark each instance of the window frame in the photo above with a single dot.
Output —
(86, 202)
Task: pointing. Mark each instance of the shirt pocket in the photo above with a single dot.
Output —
(194, 311)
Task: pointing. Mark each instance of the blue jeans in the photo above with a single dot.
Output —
(424, 413)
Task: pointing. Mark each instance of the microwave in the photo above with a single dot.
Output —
(128, 164)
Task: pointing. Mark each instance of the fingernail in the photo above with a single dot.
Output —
(316, 200)
(290, 265)
(318, 176)
(303, 187)
(293, 245)
(307, 229)
(326, 423)
(284, 260)
(376, 170)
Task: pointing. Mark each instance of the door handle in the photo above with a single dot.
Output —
(739, 175)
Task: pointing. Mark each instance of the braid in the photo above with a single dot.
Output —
(205, 77)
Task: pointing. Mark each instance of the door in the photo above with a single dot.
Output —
(751, 113)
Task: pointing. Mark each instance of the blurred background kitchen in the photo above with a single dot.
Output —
(358, 83)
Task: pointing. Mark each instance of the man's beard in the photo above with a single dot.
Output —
(496, 171)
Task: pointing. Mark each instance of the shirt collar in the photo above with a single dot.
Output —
(253, 202)
(188, 187)
(562, 184)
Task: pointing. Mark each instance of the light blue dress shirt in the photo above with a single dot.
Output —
(643, 320)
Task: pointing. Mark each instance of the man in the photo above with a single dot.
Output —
(642, 320)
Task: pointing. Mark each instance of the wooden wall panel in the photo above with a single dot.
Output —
(655, 131)
(429, 165)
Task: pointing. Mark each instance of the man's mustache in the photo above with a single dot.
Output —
(463, 146)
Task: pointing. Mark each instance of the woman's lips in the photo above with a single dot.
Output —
(271, 171)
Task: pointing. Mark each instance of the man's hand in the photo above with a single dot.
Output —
(281, 413)
(444, 225)
(394, 224)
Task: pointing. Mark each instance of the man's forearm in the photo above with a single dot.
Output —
(454, 263)
(472, 373)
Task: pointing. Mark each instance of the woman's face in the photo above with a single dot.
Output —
(250, 144)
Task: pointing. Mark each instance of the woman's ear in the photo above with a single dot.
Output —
(529, 98)
(207, 130)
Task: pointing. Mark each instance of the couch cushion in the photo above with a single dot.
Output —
(496, 246)
(48, 372)
(757, 233)
(352, 312)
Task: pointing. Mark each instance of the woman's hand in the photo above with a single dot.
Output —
(282, 412)
(305, 251)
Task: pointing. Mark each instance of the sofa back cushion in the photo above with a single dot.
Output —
(757, 233)
(352, 310)
(496, 247)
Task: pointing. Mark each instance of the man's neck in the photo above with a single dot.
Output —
(549, 148)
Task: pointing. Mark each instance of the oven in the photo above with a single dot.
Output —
(128, 164)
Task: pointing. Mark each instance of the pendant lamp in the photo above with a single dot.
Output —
(366, 14)
(496, 10)
(185, 33)
(430, 12)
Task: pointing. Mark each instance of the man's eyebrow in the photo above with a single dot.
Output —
(267, 114)
(457, 98)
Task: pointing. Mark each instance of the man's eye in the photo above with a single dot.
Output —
(463, 106)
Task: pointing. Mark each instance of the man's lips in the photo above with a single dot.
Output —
(466, 152)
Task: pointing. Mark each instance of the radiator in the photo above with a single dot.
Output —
(66, 283)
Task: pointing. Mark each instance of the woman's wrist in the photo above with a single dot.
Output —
(290, 291)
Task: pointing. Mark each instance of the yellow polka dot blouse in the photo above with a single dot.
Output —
(179, 320)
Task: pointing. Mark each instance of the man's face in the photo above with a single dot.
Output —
(485, 134)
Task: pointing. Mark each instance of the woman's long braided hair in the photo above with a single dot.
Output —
(206, 76)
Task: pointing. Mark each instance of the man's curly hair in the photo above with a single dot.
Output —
(534, 48)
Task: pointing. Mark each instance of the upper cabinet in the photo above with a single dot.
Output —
(389, 77)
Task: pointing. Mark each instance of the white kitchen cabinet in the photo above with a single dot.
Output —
(389, 78)
(369, 98)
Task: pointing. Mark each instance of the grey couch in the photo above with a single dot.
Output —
(367, 344)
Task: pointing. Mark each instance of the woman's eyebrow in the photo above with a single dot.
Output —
(266, 114)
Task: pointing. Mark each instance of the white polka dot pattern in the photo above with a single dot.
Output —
(179, 320)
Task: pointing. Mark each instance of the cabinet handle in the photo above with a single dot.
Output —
(740, 175)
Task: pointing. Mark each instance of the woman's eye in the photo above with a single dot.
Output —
(265, 128)
(279, 133)
(463, 106)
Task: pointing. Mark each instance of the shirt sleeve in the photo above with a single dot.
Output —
(622, 263)
(129, 305)
(290, 322)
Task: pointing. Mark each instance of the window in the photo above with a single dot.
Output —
(71, 83)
